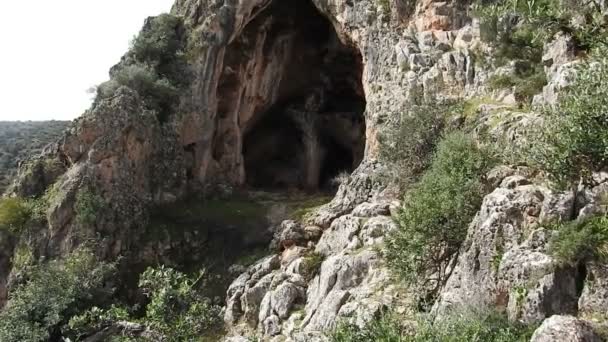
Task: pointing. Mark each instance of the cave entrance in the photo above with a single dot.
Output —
(315, 128)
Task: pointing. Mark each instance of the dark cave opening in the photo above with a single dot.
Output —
(315, 130)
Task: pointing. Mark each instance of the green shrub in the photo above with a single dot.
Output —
(437, 211)
(581, 241)
(311, 264)
(87, 206)
(464, 328)
(572, 143)
(53, 293)
(176, 309)
(408, 149)
(159, 42)
(95, 319)
(14, 214)
(527, 82)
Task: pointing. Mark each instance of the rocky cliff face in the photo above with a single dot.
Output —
(288, 95)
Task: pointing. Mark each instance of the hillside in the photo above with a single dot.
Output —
(326, 171)
(21, 139)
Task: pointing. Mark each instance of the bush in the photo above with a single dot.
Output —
(572, 142)
(527, 82)
(437, 211)
(87, 207)
(466, 328)
(581, 241)
(53, 293)
(155, 66)
(159, 43)
(176, 308)
(14, 214)
(409, 148)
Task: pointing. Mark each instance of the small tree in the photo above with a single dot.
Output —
(53, 293)
(409, 148)
(177, 309)
(436, 213)
(572, 142)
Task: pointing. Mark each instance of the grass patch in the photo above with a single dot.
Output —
(303, 208)
(311, 264)
(462, 328)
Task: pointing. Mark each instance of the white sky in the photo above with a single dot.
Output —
(52, 51)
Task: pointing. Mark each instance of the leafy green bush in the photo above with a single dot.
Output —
(572, 142)
(437, 211)
(95, 319)
(14, 214)
(159, 40)
(53, 293)
(87, 206)
(155, 66)
(408, 149)
(581, 241)
(465, 328)
(176, 308)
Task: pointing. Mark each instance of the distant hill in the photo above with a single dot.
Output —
(20, 139)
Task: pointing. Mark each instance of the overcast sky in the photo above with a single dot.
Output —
(52, 51)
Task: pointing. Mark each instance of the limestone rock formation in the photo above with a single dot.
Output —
(289, 95)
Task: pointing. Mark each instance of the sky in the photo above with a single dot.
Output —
(52, 52)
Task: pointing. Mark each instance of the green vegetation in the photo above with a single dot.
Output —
(14, 214)
(581, 241)
(311, 264)
(572, 141)
(20, 140)
(176, 308)
(538, 21)
(301, 208)
(526, 82)
(408, 149)
(466, 328)
(155, 66)
(38, 308)
(87, 206)
(437, 211)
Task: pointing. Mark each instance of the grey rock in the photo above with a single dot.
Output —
(340, 236)
(565, 328)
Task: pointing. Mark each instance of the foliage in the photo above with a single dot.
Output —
(87, 206)
(21, 139)
(53, 292)
(408, 149)
(537, 21)
(581, 241)
(572, 142)
(176, 309)
(23, 257)
(465, 328)
(159, 43)
(436, 212)
(311, 264)
(95, 319)
(155, 66)
(526, 82)
(14, 214)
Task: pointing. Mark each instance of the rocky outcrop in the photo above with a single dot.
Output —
(565, 328)
(504, 263)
